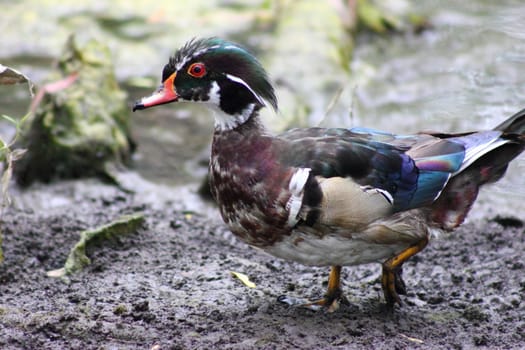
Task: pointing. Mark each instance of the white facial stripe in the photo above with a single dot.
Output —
(233, 47)
(296, 187)
(215, 97)
(240, 81)
(195, 54)
(182, 63)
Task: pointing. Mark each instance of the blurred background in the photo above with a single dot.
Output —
(400, 65)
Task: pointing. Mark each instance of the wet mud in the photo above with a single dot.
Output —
(169, 284)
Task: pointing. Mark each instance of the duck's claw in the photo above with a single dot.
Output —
(333, 298)
(329, 303)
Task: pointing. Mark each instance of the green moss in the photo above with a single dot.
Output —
(77, 128)
(372, 17)
(120, 309)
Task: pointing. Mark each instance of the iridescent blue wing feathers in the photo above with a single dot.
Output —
(413, 169)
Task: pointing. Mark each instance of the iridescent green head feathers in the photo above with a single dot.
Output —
(217, 72)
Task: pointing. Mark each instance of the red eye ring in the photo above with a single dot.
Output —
(197, 70)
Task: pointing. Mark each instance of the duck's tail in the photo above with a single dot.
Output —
(488, 163)
(513, 125)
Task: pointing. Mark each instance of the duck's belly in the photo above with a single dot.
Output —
(333, 250)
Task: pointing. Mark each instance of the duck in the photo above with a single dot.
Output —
(330, 197)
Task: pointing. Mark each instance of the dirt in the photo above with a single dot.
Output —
(169, 285)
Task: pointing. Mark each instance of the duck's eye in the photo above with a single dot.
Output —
(197, 70)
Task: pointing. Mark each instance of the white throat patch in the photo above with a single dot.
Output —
(225, 121)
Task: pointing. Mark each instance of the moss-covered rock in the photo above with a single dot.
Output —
(78, 126)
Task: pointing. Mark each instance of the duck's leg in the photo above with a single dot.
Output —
(331, 300)
(391, 280)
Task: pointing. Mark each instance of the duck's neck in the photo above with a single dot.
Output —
(241, 143)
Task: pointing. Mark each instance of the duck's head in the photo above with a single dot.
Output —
(219, 73)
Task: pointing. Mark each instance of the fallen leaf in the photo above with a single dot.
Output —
(415, 340)
(244, 279)
(78, 259)
(61, 272)
(10, 76)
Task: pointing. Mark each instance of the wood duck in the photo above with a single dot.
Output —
(329, 196)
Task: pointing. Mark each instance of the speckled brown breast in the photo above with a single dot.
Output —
(249, 186)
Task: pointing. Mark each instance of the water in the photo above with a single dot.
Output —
(467, 73)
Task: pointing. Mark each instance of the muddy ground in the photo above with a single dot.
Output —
(169, 286)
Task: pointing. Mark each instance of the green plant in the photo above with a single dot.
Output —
(10, 76)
